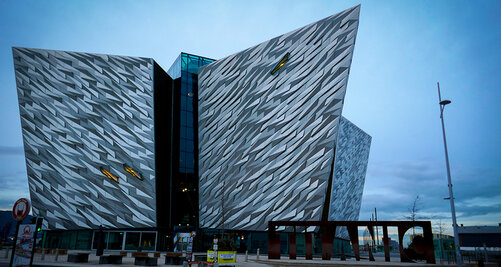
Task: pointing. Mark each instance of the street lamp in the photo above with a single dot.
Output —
(443, 103)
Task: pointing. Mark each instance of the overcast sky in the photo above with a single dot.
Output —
(402, 49)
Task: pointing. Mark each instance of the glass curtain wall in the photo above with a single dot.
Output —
(185, 174)
(189, 105)
(135, 241)
(77, 239)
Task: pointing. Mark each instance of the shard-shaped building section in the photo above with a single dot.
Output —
(268, 124)
(352, 156)
(89, 137)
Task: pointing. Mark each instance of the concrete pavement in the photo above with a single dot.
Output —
(263, 261)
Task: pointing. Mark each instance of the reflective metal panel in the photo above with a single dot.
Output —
(82, 113)
(266, 142)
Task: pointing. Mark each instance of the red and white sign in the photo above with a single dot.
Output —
(24, 245)
(21, 209)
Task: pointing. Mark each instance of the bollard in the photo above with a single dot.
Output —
(43, 254)
(246, 255)
(57, 254)
(6, 253)
(486, 256)
(257, 254)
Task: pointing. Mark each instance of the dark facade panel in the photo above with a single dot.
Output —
(163, 95)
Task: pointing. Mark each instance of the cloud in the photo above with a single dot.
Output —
(393, 186)
(14, 186)
(11, 150)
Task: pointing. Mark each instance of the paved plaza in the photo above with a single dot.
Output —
(252, 261)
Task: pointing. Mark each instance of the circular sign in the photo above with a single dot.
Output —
(21, 209)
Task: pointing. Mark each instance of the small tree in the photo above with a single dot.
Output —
(413, 213)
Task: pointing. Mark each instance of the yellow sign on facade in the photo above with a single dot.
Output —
(225, 258)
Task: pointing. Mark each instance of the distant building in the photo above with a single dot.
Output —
(444, 246)
(486, 241)
(480, 236)
(393, 245)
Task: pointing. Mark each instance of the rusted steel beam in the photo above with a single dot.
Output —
(428, 239)
(386, 244)
(401, 232)
(353, 233)
(308, 246)
(352, 226)
(327, 242)
(273, 242)
(346, 223)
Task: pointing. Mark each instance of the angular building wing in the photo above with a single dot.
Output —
(87, 124)
(350, 166)
(269, 119)
(352, 156)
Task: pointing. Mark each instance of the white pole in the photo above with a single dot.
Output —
(451, 195)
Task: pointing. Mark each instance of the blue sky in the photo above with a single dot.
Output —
(403, 48)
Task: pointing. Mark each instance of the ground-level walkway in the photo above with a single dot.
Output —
(242, 260)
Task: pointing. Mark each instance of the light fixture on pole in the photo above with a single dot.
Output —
(443, 103)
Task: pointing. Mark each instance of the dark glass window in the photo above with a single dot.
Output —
(190, 146)
(115, 240)
(148, 241)
(183, 145)
(190, 160)
(189, 133)
(83, 241)
(132, 240)
(182, 156)
(281, 63)
(185, 175)
(96, 239)
(183, 119)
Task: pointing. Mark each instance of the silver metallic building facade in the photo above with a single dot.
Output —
(269, 122)
(352, 155)
(82, 115)
(350, 166)
(102, 142)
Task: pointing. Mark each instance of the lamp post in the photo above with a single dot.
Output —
(443, 103)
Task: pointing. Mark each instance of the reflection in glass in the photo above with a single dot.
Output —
(132, 240)
(115, 240)
(281, 63)
(109, 174)
(148, 241)
(97, 238)
(133, 172)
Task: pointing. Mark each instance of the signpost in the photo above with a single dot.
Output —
(24, 245)
(222, 258)
(189, 248)
(215, 258)
(19, 211)
(38, 228)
